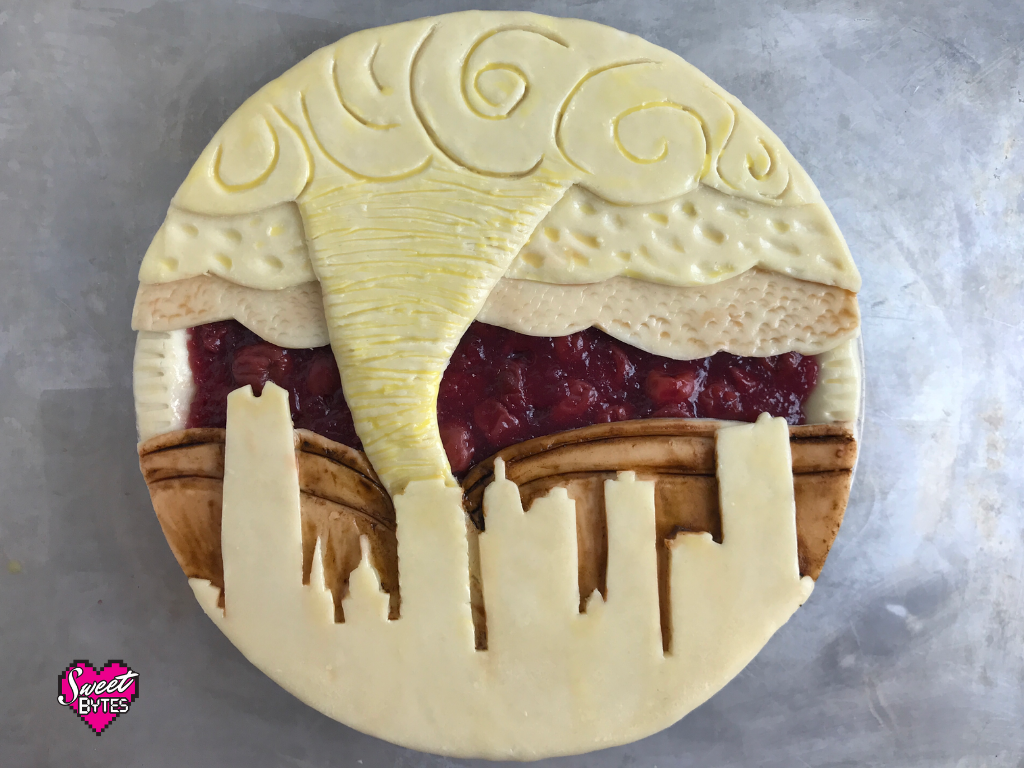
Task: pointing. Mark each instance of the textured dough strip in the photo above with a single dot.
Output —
(162, 382)
(291, 317)
(836, 396)
(756, 313)
(400, 293)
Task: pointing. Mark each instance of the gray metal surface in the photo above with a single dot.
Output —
(908, 116)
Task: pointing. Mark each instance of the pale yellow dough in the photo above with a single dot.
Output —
(837, 395)
(698, 238)
(553, 681)
(162, 382)
(265, 249)
(419, 160)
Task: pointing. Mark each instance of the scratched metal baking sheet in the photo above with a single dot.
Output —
(909, 117)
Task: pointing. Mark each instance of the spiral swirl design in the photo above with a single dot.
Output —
(504, 95)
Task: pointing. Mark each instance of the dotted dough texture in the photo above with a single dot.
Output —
(261, 250)
(701, 237)
(698, 238)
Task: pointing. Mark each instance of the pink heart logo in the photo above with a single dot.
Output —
(98, 697)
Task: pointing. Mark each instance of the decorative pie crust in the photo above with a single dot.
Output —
(343, 500)
(545, 175)
(289, 317)
(162, 382)
(755, 313)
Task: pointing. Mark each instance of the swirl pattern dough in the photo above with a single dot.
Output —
(422, 157)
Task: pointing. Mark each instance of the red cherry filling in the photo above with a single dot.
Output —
(323, 378)
(665, 389)
(502, 387)
(572, 408)
(458, 445)
(258, 363)
(225, 356)
(496, 423)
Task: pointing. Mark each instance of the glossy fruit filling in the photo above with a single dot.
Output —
(502, 387)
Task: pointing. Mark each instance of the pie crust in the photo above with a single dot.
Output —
(574, 591)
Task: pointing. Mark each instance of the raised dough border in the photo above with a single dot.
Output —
(162, 382)
(838, 395)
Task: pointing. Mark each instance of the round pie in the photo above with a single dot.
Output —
(497, 383)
